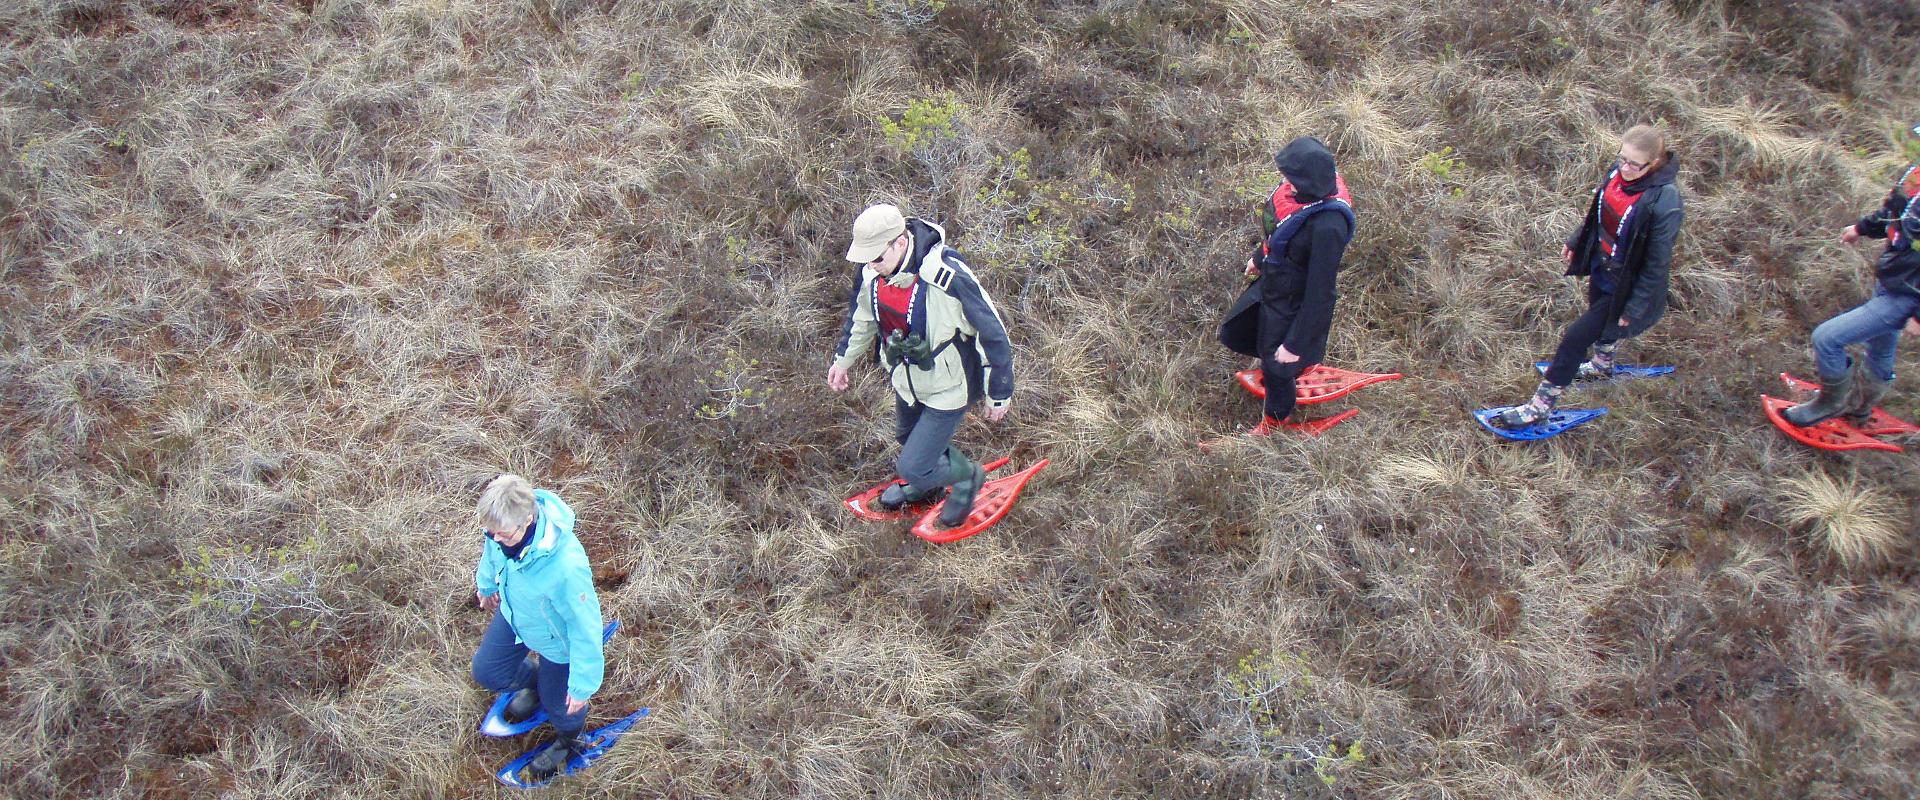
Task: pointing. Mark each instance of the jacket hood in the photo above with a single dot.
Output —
(1655, 179)
(556, 525)
(1309, 166)
(925, 236)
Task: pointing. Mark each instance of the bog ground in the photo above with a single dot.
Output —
(284, 283)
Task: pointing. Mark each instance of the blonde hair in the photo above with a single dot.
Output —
(1649, 139)
(506, 503)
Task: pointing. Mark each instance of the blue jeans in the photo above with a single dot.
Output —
(1876, 322)
(501, 665)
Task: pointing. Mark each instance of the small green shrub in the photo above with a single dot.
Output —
(924, 123)
(1034, 220)
(1285, 714)
(288, 586)
(1443, 164)
(732, 389)
(912, 13)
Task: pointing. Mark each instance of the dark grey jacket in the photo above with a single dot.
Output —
(1897, 221)
(1644, 249)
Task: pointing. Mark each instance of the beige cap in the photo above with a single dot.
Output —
(873, 230)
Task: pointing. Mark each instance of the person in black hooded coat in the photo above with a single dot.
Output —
(1624, 247)
(1283, 318)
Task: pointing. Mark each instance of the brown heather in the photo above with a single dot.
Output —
(286, 282)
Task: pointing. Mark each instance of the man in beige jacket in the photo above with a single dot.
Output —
(943, 346)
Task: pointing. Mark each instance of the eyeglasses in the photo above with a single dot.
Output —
(510, 530)
(1632, 164)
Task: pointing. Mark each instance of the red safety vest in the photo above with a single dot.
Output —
(1282, 206)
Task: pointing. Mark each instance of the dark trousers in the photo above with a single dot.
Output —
(923, 434)
(1280, 382)
(1588, 330)
(501, 665)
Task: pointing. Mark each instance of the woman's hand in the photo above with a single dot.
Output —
(1850, 235)
(1913, 327)
(1284, 356)
(1253, 270)
(1566, 254)
(488, 602)
(837, 378)
(575, 706)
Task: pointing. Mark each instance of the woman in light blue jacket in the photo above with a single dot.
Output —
(534, 576)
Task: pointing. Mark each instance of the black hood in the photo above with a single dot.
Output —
(1308, 165)
(1655, 179)
(925, 236)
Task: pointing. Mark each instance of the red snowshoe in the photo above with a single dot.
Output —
(1838, 433)
(1318, 384)
(863, 506)
(993, 501)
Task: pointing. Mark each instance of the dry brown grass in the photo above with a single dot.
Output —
(1858, 524)
(285, 282)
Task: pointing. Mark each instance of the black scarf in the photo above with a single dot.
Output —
(520, 546)
(1654, 178)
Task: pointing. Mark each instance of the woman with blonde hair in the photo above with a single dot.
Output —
(1624, 247)
(544, 641)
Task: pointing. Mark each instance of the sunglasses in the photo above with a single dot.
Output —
(883, 254)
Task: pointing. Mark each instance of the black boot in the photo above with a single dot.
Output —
(553, 759)
(901, 495)
(1872, 391)
(967, 479)
(522, 706)
(1837, 396)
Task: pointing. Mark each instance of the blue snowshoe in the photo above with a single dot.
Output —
(538, 767)
(1620, 373)
(1556, 423)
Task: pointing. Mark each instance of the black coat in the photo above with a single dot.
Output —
(1292, 301)
(1645, 250)
(1898, 268)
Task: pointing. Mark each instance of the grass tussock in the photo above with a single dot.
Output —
(1856, 523)
(286, 282)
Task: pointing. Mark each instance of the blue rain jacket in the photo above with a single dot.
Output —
(547, 594)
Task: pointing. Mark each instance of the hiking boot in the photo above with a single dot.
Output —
(1521, 416)
(524, 703)
(1872, 391)
(1835, 398)
(901, 495)
(555, 758)
(965, 489)
(1536, 410)
(1590, 372)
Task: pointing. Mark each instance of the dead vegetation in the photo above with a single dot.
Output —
(284, 282)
